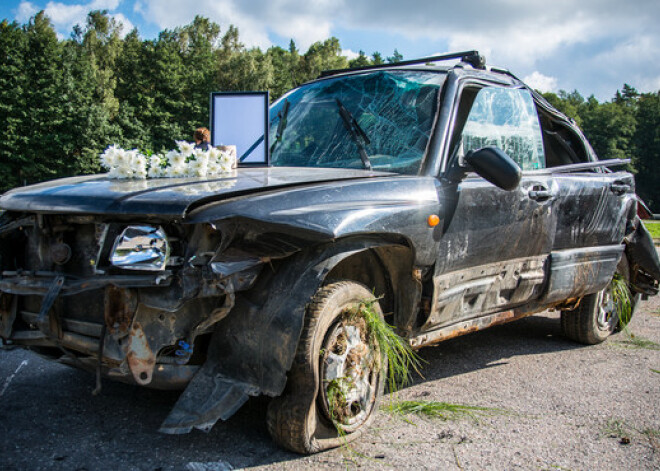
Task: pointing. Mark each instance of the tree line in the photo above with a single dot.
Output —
(63, 101)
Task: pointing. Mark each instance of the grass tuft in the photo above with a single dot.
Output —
(637, 342)
(622, 300)
(435, 409)
(396, 351)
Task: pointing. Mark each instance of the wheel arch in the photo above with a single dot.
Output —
(253, 348)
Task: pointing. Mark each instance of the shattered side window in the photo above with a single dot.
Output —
(505, 118)
(394, 109)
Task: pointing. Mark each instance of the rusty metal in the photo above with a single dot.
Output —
(119, 306)
(140, 358)
(465, 327)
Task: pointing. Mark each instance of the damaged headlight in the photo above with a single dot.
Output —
(141, 248)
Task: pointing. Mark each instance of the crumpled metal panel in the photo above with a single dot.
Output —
(253, 348)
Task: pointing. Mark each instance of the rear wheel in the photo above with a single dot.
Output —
(593, 320)
(335, 384)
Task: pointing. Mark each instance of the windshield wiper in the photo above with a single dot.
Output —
(281, 125)
(356, 132)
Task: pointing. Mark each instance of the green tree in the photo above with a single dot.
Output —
(13, 48)
(41, 155)
(395, 57)
(360, 61)
(647, 149)
(322, 56)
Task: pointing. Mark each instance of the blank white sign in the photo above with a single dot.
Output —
(241, 119)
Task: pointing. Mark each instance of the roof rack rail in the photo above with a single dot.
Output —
(471, 57)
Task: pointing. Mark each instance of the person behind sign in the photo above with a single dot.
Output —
(202, 138)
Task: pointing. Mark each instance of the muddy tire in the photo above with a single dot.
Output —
(337, 379)
(593, 320)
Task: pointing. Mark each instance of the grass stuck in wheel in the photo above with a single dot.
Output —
(399, 356)
(622, 300)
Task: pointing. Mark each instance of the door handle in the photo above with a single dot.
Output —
(619, 188)
(540, 193)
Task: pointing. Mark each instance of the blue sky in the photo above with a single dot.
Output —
(594, 46)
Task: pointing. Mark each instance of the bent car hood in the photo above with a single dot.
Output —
(168, 197)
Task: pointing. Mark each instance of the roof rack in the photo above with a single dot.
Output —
(471, 57)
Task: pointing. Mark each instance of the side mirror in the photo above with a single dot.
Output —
(496, 166)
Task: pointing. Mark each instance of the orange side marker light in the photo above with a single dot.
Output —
(433, 220)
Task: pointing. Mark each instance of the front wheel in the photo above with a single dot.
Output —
(337, 378)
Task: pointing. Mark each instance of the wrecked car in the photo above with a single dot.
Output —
(454, 195)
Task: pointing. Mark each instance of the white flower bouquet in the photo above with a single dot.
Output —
(184, 162)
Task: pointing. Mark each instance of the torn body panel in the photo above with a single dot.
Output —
(252, 350)
(643, 259)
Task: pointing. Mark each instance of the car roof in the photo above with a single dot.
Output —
(468, 61)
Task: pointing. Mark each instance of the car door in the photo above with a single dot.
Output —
(493, 249)
(592, 207)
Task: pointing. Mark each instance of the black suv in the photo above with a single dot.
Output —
(454, 195)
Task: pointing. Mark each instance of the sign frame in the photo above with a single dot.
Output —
(216, 105)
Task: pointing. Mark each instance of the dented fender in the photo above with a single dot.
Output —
(253, 348)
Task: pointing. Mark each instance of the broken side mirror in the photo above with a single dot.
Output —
(496, 166)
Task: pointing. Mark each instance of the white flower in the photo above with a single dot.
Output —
(177, 171)
(139, 160)
(122, 157)
(155, 172)
(197, 168)
(109, 157)
(176, 159)
(226, 159)
(188, 161)
(213, 168)
(155, 161)
(214, 153)
(186, 148)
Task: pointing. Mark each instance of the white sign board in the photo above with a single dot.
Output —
(241, 119)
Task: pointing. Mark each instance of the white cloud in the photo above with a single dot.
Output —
(126, 25)
(541, 82)
(304, 22)
(350, 55)
(65, 16)
(592, 45)
(520, 35)
(25, 11)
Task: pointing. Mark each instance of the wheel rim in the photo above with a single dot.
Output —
(606, 309)
(349, 374)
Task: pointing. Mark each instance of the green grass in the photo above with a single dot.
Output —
(616, 428)
(654, 228)
(622, 299)
(655, 371)
(638, 342)
(395, 350)
(435, 409)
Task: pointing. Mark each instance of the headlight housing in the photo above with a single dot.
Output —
(141, 248)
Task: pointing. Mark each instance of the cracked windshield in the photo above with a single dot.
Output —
(378, 120)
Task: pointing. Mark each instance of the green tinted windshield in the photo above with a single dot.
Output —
(394, 109)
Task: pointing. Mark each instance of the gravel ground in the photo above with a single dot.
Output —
(561, 406)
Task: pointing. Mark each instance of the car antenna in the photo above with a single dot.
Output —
(473, 58)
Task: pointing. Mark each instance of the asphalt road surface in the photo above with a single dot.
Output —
(560, 406)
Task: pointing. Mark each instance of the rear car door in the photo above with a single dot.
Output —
(593, 206)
